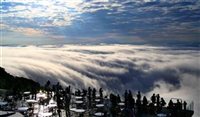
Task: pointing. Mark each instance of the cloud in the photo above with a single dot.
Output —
(156, 19)
(29, 31)
(172, 72)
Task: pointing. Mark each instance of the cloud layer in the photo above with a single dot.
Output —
(172, 72)
(131, 20)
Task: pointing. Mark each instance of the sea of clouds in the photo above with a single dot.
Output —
(169, 71)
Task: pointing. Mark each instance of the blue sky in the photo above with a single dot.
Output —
(100, 21)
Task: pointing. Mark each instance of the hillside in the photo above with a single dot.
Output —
(10, 82)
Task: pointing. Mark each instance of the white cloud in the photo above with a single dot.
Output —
(58, 11)
(28, 31)
(62, 13)
(172, 72)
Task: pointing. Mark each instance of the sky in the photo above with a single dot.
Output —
(158, 22)
(146, 45)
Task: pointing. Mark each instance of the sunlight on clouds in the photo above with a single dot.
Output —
(72, 4)
(3, 26)
(24, 31)
(29, 31)
(58, 12)
(139, 17)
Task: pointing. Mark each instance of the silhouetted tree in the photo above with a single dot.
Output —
(178, 105)
(144, 104)
(184, 105)
(139, 96)
(153, 98)
(163, 103)
(118, 98)
(158, 100)
(126, 98)
(101, 92)
(94, 93)
(131, 101)
(67, 99)
(84, 92)
(144, 101)
(89, 96)
(170, 104)
(47, 88)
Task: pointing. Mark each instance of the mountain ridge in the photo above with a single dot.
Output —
(15, 83)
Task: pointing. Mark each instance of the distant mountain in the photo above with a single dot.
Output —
(10, 82)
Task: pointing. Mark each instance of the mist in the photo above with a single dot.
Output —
(171, 72)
